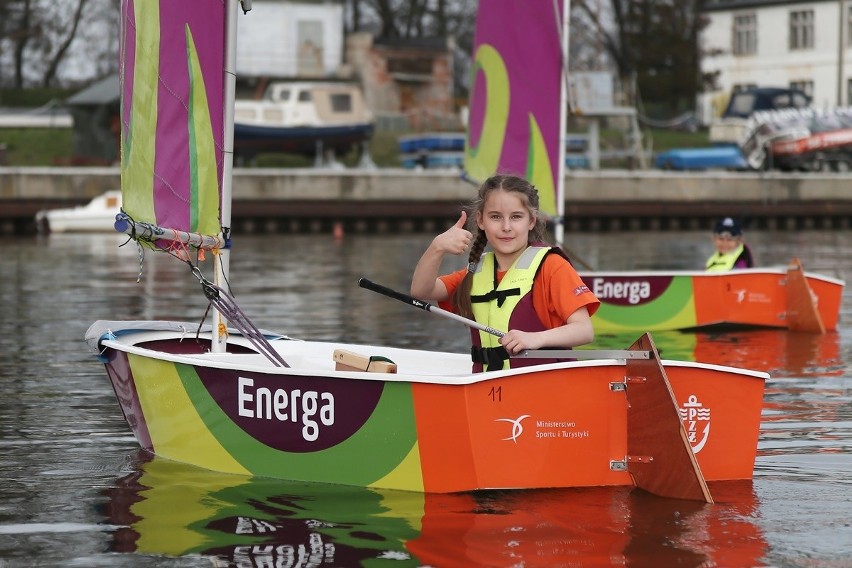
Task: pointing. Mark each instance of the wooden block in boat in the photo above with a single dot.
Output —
(348, 361)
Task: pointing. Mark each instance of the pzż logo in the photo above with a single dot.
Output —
(696, 422)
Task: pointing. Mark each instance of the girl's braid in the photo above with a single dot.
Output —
(461, 297)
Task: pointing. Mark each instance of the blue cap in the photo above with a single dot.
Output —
(728, 225)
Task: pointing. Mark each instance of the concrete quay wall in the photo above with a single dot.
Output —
(296, 200)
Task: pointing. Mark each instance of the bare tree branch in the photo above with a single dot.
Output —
(50, 73)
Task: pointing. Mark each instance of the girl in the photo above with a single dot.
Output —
(522, 285)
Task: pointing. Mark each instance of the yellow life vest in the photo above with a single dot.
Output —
(493, 306)
(719, 262)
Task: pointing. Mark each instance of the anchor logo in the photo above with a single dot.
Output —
(517, 428)
(696, 422)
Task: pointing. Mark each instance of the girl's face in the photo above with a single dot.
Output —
(725, 243)
(506, 222)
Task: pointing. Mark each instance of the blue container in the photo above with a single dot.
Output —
(576, 161)
(713, 157)
(431, 142)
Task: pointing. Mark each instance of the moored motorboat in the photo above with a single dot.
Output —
(94, 217)
(303, 117)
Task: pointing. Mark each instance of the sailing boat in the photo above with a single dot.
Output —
(768, 297)
(519, 102)
(231, 398)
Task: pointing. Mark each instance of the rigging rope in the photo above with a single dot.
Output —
(217, 297)
(229, 309)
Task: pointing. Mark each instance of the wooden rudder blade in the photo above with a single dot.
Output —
(802, 311)
(660, 458)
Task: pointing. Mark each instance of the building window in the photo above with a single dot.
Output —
(745, 34)
(806, 87)
(849, 92)
(802, 29)
(341, 102)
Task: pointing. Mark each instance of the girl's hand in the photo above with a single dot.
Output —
(516, 341)
(455, 240)
(578, 330)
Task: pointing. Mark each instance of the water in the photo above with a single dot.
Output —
(76, 491)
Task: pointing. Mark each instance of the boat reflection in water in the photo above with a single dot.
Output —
(780, 353)
(173, 509)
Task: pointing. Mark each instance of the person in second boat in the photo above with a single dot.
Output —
(731, 250)
(522, 286)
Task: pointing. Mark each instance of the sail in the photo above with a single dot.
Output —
(514, 125)
(172, 62)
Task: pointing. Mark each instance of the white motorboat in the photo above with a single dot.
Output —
(302, 117)
(94, 217)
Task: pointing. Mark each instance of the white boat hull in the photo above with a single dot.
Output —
(97, 216)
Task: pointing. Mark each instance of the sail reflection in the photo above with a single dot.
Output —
(173, 509)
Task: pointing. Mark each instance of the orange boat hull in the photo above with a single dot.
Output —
(536, 431)
(659, 301)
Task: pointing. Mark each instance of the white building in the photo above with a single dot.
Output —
(806, 44)
(290, 39)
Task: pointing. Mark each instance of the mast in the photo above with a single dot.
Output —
(222, 259)
(559, 229)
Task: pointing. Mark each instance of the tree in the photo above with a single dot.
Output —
(38, 36)
(657, 43)
(54, 57)
(414, 18)
(18, 30)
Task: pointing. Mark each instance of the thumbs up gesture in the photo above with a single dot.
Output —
(456, 239)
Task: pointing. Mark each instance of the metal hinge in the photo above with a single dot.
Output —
(621, 386)
(616, 465)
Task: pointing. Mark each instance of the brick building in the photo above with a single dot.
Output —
(408, 83)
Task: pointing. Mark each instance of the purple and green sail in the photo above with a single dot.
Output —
(172, 112)
(516, 94)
